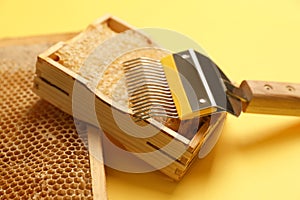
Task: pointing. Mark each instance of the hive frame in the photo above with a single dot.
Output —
(54, 82)
(42, 156)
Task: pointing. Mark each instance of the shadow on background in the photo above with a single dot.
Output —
(202, 170)
(265, 140)
(157, 181)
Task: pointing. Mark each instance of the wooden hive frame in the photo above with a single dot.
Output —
(54, 82)
(42, 156)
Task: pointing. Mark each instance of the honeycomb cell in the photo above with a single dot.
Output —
(39, 145)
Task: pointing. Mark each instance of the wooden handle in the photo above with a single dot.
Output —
(271, 97)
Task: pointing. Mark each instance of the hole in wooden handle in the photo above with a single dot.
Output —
(290, 88)
(268, 87)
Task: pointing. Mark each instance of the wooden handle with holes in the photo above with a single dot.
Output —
(271, 97)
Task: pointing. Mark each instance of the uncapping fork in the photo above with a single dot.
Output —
(189, 84)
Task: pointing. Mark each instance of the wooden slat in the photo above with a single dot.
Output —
(96, 163)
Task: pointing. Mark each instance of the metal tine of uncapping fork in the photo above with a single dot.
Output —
(145, 60)
(150, 88)
(141, 84)
(149, 93)
(135, 66)
(149, 101)
(154, 105)
(156, 110)
(154, 93)
(146, 78)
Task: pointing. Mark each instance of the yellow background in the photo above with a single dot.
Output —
(257, 156)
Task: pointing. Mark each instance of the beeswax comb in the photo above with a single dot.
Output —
(189, 84)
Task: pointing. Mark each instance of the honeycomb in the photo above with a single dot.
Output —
(41, 154)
